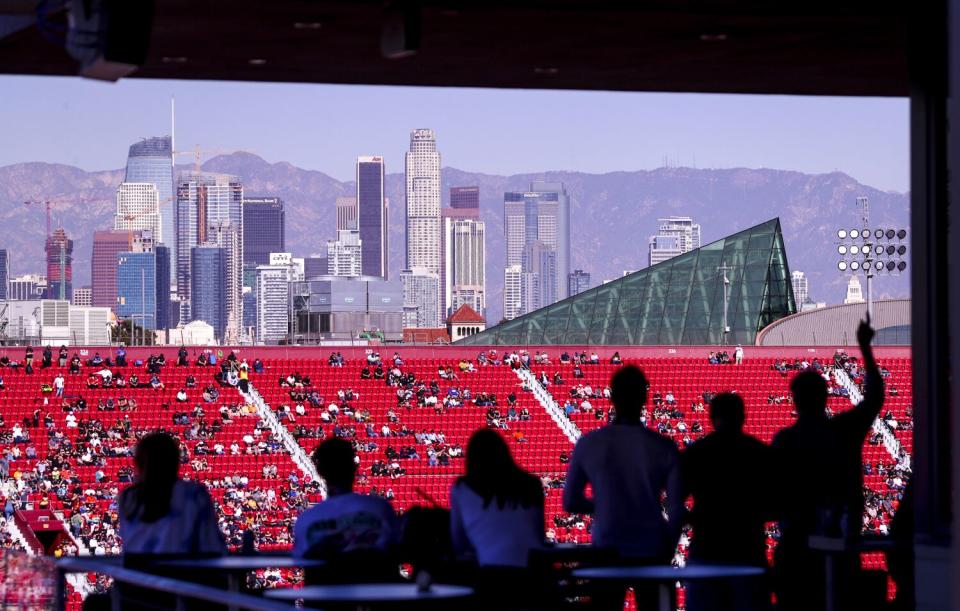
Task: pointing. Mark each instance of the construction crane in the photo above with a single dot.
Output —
(197, 155)
(46, 202)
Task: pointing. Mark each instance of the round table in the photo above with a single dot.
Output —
(665, 576)
(370, 593)
(237, 566)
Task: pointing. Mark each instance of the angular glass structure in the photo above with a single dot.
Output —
(677, 302)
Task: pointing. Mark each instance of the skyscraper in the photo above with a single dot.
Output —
(264, 229)
(801, 292)
(226, 235)
(59, 250)
(151, 161)
(372, 216)
(512, 296)
(536, 224)
(675, 236)
(345, 254)
(4, 274)
(138, 209)
(423, 226)
(273, 305)
(204, 201)
(143, 285)
(103, 266)
(420, 293)
(577, 282)
(465, 198)
(347, 213)
(208, 288)
(464, 262)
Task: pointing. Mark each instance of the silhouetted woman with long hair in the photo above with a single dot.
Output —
(162, 514)
(496, 509)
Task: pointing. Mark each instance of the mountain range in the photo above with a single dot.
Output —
(612, 215)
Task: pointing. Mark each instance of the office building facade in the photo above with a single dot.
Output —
(138, 209)
(151, 161)
(801, 289)
(537, 222)
(675, 236)
(422, 173)
(372, 220)
(421, 291)
(27, 287)
(4, 274)
(465, 198)
(264, 229)
(83, 297)
(347, 308)
(273, 303)
(204, 201)
(577, 282)
(512, 291)
(59, 256)
(103, 266)
(464, 277)
(209, 287)
(345, 254)
(346, 208)
(143, 286)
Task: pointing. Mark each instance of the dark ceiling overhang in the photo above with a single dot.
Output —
(721, 46)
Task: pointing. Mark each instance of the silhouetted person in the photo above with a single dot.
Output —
(628, 467)
(496, 509)
(162, 514)
(354, 532)
(729, 473)
(900, 559)
(821, 461)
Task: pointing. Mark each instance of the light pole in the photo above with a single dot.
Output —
(723, 269)
(875, 251)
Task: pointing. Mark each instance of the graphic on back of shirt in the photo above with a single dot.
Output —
(349, 532)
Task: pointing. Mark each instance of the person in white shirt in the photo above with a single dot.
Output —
(738, 355)
(628, 467)
(162, 514)
(58, 384)
(356, 529)
(496, 508)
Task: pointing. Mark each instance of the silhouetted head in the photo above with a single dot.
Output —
(494, 475)
(628, 391)
(809, 393)
(334, 459)
(727, 413)
(157, 464)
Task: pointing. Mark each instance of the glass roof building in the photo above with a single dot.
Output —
(677, 302)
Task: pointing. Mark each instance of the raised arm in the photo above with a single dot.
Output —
(873, 396)
(575, 491)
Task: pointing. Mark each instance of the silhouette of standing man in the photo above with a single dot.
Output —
(728, 473)
(628, 467)
(822, 468)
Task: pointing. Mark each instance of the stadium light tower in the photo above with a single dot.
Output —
(723, 269)
(874, 251)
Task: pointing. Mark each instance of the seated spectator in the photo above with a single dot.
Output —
(496, 508)
(155, 382)
(181, 396)
(191, 382)
(346, 522)
(257, 366)
(577, 372)
(162, 514)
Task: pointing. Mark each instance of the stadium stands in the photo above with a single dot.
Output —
(73, 461)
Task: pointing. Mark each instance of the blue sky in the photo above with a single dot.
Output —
(324, 127)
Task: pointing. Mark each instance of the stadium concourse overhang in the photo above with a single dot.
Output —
(813, 47)
(740, 283)
(836, 325)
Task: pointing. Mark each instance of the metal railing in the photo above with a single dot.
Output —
(180, 590)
